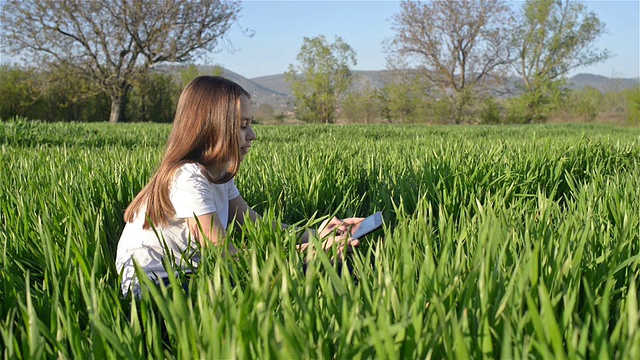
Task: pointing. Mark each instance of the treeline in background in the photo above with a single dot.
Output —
(52, 96)
(407, 103)
(56, 95)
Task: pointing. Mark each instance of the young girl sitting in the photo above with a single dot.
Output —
(192, 196)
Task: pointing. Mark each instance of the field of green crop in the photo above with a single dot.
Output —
(499, 242)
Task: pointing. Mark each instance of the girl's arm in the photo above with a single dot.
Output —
(238, 207)
(209, 227)
(339, 228)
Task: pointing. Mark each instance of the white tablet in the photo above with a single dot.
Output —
(368, 225)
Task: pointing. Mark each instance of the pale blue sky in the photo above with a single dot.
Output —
(280, 26)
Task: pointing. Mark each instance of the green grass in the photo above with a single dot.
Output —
(509, 242)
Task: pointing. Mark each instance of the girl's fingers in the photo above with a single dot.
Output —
(328, 226)
(333, 223)
(339, 227)
(353, 220)
(342, 228)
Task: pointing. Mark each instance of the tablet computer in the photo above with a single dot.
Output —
(368, 225)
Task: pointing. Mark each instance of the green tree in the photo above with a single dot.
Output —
(633, 98)
(460, 47)
(189, 73)
(552, 38)
(111, 43)
(264, 111)
(361, 106)
(70, 97)
(585, 103)
(153, 98)
(20, 96)
(217, 70)
(49, 94)
(402, 100)
(321, 78)
(490, 112)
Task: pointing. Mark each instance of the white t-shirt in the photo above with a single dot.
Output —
(191, 194)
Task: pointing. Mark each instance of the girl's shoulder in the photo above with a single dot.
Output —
(189, 171)
(190, 168)
(196, 173)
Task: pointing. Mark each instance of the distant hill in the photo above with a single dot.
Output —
(260, 94)
(276, 83)
(602, 83)
(275, 91)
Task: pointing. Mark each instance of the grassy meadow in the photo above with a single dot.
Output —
(499, 242)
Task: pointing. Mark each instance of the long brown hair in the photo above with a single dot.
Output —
(205, 131)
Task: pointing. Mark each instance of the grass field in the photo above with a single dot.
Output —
(499, 242)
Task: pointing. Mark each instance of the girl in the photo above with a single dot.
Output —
(192, 196)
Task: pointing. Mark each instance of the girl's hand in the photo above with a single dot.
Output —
(343, 243)
(337, 233)
(334, 233)
(338, 226)
(353, 223)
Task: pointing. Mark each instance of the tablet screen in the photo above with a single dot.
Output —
(368, 225)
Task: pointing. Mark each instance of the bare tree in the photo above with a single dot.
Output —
(455, 45)
(552, 38)
(113, 42)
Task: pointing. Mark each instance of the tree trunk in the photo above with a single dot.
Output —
(116, 110)
(117, 107)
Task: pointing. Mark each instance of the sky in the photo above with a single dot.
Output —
(280, 26)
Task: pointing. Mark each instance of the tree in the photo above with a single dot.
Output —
(191, 72)
(403, 100)
(264, 112)
(153, 98)
(321, 78)
(585, 103)
(552, 38)
(19, 93)
(68, 98)
(48, 95)
(458, 46)
(633, 98)
(114, 42)
(361, 106)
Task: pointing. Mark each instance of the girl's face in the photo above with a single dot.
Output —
(246, 132)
